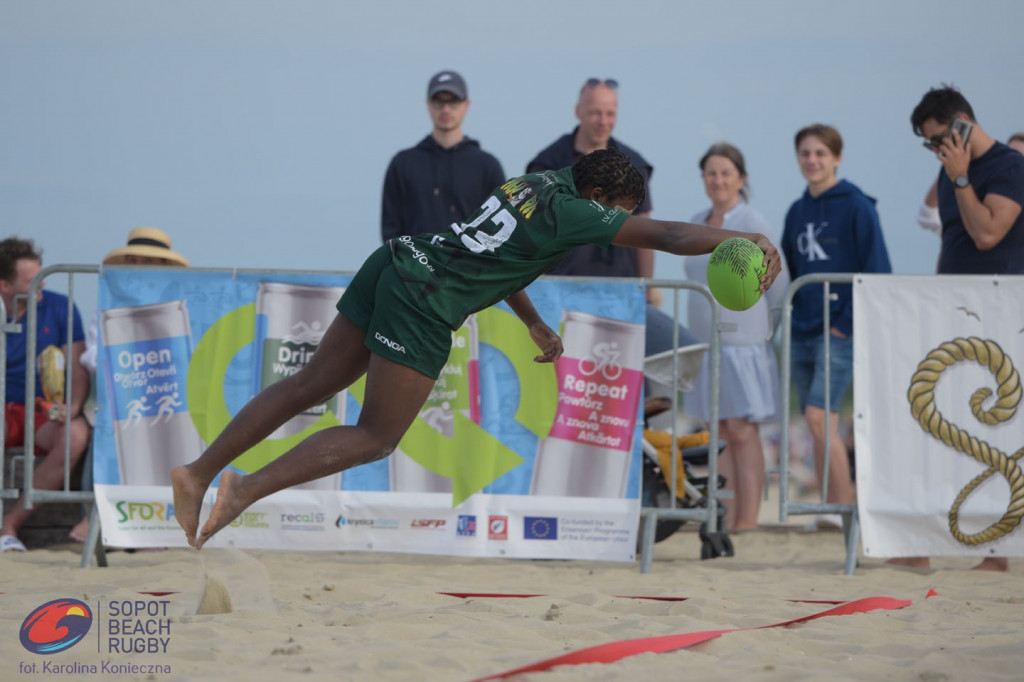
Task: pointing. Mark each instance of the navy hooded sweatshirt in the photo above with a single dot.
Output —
(837, 231)
(428, 187)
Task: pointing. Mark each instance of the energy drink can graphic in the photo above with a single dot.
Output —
(291, 319)
(600, 383)
(456, 390)
(147, 350)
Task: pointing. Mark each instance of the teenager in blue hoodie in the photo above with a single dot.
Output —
(833, 227)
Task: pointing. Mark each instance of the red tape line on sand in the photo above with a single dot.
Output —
(158, 594)
(153, 594)
(519, 595)
(490, 595)
(614, 651)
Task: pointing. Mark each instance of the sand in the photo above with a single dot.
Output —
(264, 616)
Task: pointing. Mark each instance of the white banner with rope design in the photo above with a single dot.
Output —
(938, 423)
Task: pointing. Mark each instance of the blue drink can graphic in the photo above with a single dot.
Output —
(291, 319)
(147, 350)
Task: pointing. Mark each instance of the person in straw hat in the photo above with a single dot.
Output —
(146, 246)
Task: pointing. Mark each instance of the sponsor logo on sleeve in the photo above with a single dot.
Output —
(417, 255)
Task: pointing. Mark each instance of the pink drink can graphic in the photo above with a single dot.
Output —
(456, 390)
(291, 320)
(147, 350)
(600, 383)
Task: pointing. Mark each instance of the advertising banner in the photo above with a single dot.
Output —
(938, 429)
(508, 458)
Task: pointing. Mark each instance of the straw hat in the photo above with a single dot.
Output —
(147, 242)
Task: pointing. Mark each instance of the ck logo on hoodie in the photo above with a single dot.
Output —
(808, 245)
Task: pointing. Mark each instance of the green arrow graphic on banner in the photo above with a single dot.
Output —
(206, 403)
(504, 331)
(472, 460)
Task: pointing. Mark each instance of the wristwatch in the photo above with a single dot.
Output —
(961, 181)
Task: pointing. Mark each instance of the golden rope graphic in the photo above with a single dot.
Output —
(921, 395)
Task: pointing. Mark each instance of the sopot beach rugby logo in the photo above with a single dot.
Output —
(56, 626)
(123, 631)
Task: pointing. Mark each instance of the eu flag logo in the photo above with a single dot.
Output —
(540, 528)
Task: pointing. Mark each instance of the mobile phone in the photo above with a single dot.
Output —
(963, 128)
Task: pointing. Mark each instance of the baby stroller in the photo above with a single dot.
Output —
(691, 454)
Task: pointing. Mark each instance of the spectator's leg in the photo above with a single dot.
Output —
(840, 486)
(49, 471)
(743, 463)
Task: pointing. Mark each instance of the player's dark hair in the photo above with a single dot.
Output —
(611, 171)
(12, 250)
(1015, 137)
(942, 104)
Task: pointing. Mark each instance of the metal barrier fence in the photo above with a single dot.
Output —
(851, 522)
(5, 328)
(33, 495)
(709, 513)
(93, 547)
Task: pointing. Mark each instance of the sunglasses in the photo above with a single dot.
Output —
(933, 144)
(439, 102)
(610, 82)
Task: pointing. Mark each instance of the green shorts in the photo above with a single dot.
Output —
(378, 302)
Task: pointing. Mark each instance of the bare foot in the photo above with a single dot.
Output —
(188, 501)
(81, 530)
(227, 506)
(993, 563)
(911, 562)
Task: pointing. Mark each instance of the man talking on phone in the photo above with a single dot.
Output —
(980, 188)
(980, 193)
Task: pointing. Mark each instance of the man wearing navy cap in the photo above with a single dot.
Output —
(445, 177)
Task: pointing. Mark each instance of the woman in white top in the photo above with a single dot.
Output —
(749, 383)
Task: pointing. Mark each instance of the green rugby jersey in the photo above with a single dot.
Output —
(524, 229)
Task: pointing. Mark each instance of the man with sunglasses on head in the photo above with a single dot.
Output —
(980, 188)
(445, 177)
(596, 111)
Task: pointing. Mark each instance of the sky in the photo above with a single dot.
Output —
(257, 132)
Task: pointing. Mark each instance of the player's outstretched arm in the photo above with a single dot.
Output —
(690, 239)
(544, 336)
